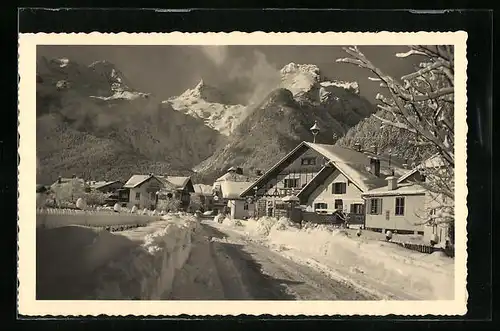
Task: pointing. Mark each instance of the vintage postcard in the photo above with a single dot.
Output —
(242, 173)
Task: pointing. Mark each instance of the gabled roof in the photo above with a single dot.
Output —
(232, 190)
(65, 180)
(352, 164)
(101, 184)
(202, 189)
(179, 182)
(320, 177)
(138, 180)
(234, 177)
(435, 161)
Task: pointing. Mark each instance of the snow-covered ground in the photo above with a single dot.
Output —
(368, 263)
(75, 262)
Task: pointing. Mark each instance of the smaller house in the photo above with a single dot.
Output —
(238, 207)
(440, 230)
(179, 188)
(67, 189)
(203, 193)
(399, 207)
(142, 191)
(227, 190)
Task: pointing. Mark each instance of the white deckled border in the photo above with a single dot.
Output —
(29, 306)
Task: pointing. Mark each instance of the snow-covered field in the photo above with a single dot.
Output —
(75, 262)
(368, 263)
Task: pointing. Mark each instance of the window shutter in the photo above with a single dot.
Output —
(368, 206)
(381, 208)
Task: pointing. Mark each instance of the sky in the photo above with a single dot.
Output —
(167, 71)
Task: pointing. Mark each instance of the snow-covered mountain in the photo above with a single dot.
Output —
(119, 88)
(91, 121)
(209, 104)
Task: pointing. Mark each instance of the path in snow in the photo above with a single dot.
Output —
(226, 266)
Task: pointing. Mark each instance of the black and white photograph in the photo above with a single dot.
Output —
(246, 172)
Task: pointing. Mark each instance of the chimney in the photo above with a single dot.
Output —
(392, 183)
(357, 146)
(59, 180)
(258, 172)
(239, 171)
(375, 166)
(74, 176)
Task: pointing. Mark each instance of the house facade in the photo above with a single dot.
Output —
(325, 178)
(398, 207)
(178, 188)
(143, 191)
(226, 192)
(203, 194)
(439, 230)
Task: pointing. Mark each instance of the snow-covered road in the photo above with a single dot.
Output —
(224, 265)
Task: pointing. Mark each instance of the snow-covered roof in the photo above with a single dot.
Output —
(102, 183)
(232, 190)
(137, 180)
(352, 164)
(402, 189)
(355, 165)
(68, 180)
(234, 177)
(435, 161)
(178, 181)
(203, 189)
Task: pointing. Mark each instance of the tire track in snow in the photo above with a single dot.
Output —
(248, 270)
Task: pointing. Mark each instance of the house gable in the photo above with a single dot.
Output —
(323, 191)
(290, 174)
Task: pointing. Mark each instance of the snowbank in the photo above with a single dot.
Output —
(135, 264)
(385, 269)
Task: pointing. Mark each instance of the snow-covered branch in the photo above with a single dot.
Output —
(421, 105)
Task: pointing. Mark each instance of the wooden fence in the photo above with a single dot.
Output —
(51, 218)
(424, 248)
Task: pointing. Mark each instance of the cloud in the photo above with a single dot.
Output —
(216, 53)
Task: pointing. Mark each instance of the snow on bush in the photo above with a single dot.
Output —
(232, 222)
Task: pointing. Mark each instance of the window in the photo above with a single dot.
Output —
(137, 195)
(291, 182)
(339, 188)
(339, 204)
(320, 205)
(400, 206)
(245, 206)
(357, 208)
(309, 161)
(375, 206)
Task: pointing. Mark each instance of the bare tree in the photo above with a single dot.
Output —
(422, 103)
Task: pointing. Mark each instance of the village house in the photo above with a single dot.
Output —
(439, 231)
(398, 207)
(203, 194)
(142, 191)
(325, 179)
(227, 190)
(178, 188)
